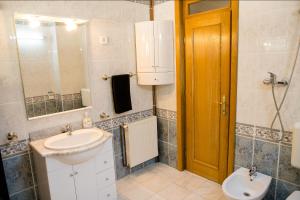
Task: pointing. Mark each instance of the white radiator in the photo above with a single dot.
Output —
(140, 141)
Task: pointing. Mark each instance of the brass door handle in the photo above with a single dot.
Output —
(223, 105)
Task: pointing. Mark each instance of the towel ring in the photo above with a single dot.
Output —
(106, 77)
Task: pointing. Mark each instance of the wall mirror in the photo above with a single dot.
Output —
(52, 57)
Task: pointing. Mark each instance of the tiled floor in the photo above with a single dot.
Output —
(161, 182)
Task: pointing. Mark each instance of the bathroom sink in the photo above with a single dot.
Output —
(239, 187)
(78, 139)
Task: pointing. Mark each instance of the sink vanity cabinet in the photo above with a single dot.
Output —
(92, 179)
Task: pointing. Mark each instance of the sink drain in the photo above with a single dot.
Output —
(246, 194)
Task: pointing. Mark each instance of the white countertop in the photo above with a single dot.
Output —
(38, 145)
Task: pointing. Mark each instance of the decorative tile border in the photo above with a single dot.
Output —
(9, 150)
(133, 117)
(116, 122)
(267, 134)
(146, 113)
(244, 129)
(166, 114)
(105, 124)
(263, 133)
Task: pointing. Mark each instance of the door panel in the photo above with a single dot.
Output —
(207, 85)
(85, 180)
(62, 184)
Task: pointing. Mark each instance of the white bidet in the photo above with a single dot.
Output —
(239, 187)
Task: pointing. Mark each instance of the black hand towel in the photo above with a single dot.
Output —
(121, 92)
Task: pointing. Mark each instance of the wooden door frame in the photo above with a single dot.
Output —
(180, 84)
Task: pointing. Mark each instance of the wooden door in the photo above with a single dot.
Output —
(207, 51)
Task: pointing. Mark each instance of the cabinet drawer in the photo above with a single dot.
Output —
(108, 193)
(106, 178)
(104, 161)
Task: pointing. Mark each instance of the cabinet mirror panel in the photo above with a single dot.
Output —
(52, 58)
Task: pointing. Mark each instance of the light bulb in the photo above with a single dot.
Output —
(70, 25)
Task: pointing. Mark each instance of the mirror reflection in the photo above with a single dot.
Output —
(52, 56)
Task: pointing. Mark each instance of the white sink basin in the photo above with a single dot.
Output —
(239, 187)
(78, 139)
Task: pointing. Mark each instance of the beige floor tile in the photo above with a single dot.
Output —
(161, 182)
(194, 197)
(156, 183)
(138, 193)
(173, 192)
(190, 182)
(210, 190)
(142, 176)
(156, 197)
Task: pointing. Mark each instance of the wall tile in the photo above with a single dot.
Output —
(243, 151)
(172, 156)
(286, 171)
(284, 189)
(136, 168)
(121, 171)
(117, 141)
(18, 173)
(265, 157)
(150, 162)
(236, 167)
(29, 110)
(51, 106)
(77, 103)
(39, 108)
(67, 105)
(163, 152)
(162, 129)
(172, 133)
(271, 191)
(24, 195)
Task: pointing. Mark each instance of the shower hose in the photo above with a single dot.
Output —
(278, 107)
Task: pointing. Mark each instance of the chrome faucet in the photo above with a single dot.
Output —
(69, 129)
(252, 172)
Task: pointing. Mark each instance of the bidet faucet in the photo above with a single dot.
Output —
(252, 172)
(69, 129)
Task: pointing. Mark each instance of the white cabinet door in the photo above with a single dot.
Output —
(85, 180)
(61, 184)
(145, 46)
(164, 46)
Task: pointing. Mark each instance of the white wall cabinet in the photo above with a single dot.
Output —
(155, 52)
(92, 180)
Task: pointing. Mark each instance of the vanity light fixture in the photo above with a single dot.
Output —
(70, 25)
(34, 23)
